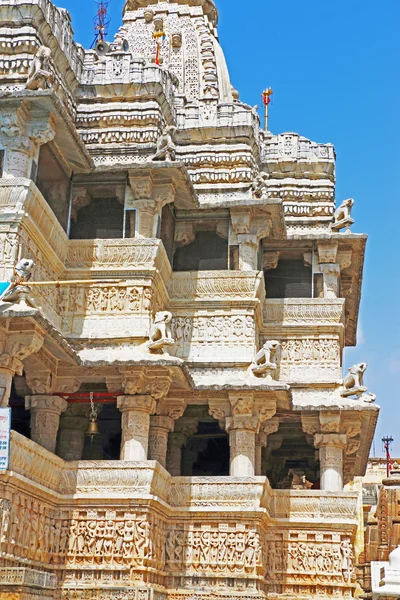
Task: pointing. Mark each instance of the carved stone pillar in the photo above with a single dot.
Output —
(242, 431)
(331, 446)
(161, 424)
(184, 429)
(73, 426)
(6, 377)
(22, 133)
(174, 456)
(331, 263)
(261, 442)
(16, 348)
(250, 226)
(160, 427)
(248, 252)
(148, 198)
(45, 419)
(136, 411)
(262, 439)
(331, 274)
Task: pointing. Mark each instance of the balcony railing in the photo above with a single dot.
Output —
(298, 311)
(84, 518)
(97, 479)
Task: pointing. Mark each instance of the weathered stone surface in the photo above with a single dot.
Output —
(229, 430)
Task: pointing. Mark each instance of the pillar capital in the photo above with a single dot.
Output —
(270, 426)
(46, 402)
(242, 403)
(330, 439)
(137, 403)
(162, 422)
(136, 381)
(171, 407)
(16, 347)
(243, 422)
(45, 418)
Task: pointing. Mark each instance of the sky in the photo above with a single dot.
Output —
(334, 69)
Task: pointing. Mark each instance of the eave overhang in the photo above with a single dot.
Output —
(66, 136)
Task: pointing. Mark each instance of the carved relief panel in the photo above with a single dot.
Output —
(311, 358)
(214, 337)
(31, 530)
(119, 538)
(224, 550)
(305, 559)
(81, 306)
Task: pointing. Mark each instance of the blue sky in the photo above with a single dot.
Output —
(334, 69)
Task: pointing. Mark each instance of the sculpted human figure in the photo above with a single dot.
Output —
(40, 76)
(264, 364)
(166, 148)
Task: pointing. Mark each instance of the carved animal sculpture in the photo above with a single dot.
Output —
(267, 354)
(165, 145)
(161, 328)
(265, 360)
(23, 271)
(343, 213)
(18, 290)
(39, 74)
(354, 378)
(259, 184)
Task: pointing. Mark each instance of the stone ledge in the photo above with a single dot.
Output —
(16, 576)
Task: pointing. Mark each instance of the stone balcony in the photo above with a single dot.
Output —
(289, 312)
(31, 230)
(65, 506)
(290, 153)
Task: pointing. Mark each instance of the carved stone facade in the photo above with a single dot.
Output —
(174, 347)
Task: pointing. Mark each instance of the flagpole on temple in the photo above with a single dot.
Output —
(387, 442)
(266, 98)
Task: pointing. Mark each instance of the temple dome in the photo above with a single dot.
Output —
(190, 49)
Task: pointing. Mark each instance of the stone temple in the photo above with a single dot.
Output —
(182, 291)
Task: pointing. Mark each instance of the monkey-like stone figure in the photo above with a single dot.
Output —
(19, 292)
(353, 383)
(160, 332)
(342, 216)
(166, 148)
(40, 76)
(264, 364)
(259, 185)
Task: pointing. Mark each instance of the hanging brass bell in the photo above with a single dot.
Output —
(93, 428)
